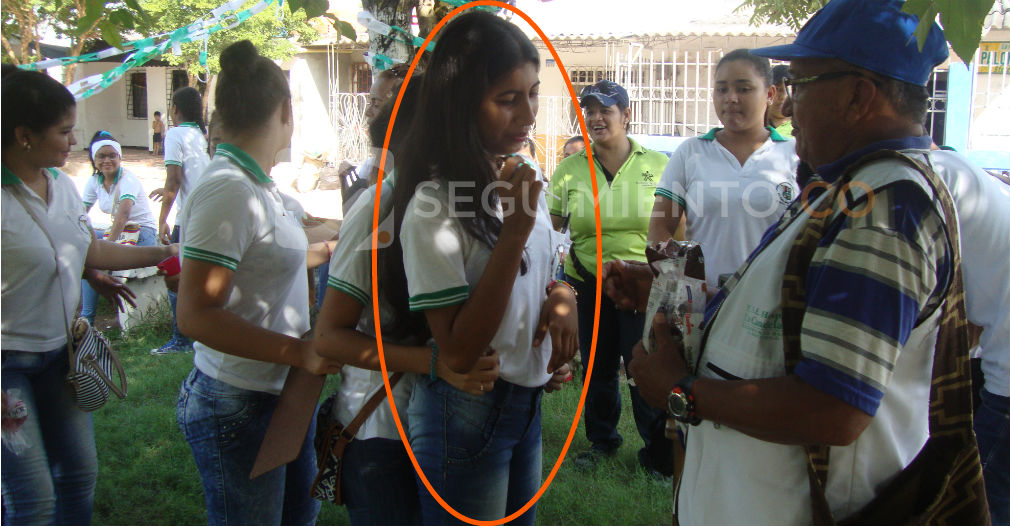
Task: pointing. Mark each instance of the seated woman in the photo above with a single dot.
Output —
(118, 192)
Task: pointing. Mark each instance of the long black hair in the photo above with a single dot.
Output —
(31, 99)
(474, 50)
(190, 105)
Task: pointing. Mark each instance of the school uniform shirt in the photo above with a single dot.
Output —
(983, 210)
(443, 263)
(186, 146)
(874, 290)
(237, 219)
(34, 317)
(625, 205)
(129, 188)
(729, 206)
(351, 273)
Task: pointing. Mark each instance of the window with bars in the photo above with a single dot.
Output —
(361, 77)
(176, 78)
(136, 96)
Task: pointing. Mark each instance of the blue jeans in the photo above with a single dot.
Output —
(992, 431)
(482, 454)
(619, 331)
(52, 481)
(224, 426)
(89, 298)
(322, 276)
(379, 484)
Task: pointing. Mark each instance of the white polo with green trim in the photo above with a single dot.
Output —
(129, 188)
(443, 263)
(728, 206)
(186, 146)
(351, 273)
(34, 319)
(237, 219)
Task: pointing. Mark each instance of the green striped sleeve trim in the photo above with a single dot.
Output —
(206, 256)
(88, 205)
(442, 298)
(663, 192)
(348, 289)
(128, 196)
(172, 163)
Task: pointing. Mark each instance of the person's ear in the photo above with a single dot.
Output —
(862, 98)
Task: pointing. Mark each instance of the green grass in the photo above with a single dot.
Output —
(147, 474)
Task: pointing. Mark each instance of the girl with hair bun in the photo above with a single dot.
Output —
(474, 252)
(185, 160)
(243, 298)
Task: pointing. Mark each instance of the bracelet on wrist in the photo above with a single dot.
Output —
(559, 282)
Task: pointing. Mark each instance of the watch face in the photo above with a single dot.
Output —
(677, 404)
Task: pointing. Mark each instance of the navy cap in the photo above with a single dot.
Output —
(871, 34)
(607, 92)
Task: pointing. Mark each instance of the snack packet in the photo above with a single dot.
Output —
(679, 291)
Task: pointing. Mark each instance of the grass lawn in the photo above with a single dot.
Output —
(147, 474)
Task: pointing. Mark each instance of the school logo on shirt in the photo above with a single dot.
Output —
(786, 193)
(648, 177)
(384, 235)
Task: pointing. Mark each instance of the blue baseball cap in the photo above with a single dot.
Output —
(607, 92)
(871, 34)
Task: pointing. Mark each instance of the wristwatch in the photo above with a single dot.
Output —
(680, 402)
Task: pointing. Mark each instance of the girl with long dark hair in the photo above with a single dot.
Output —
(473, 251)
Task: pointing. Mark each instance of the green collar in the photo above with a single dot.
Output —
(243, 160)
(190, 125)
(774, 135)
(7, 176)
(101, 176)
(635, 148)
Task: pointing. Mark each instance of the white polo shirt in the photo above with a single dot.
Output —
(983, 210)
(34, 319)
(443, 263)
(728, 206)
(351, 273)
(129, 188)
(237, 219)
(186, 146)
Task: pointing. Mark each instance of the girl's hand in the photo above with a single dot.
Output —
(314, 363)
(111, 289)
(519, 191)
(559, 315)
(478, 381)
(561, 376)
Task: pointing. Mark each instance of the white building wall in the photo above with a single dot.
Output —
(107, 110)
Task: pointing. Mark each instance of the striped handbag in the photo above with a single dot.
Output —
(92, 365)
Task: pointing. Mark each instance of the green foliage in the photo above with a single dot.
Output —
(271, 34)
(961, 19)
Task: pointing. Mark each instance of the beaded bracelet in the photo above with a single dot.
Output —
(551, 286)
(433, 374)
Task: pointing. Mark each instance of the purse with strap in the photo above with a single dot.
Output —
(92, 361)
(943, 484)
(331, 442)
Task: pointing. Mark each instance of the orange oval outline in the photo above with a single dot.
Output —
(375, 277)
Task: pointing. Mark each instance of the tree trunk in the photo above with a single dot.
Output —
(394, 13)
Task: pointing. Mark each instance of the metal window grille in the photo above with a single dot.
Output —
(136, 96)
(175, 79)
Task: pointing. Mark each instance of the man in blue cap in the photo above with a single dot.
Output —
(876, 281)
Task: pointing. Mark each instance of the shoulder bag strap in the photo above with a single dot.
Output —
(366, 410)
(950, 367)
(56, 257)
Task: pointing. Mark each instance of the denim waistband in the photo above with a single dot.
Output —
(210, 387)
